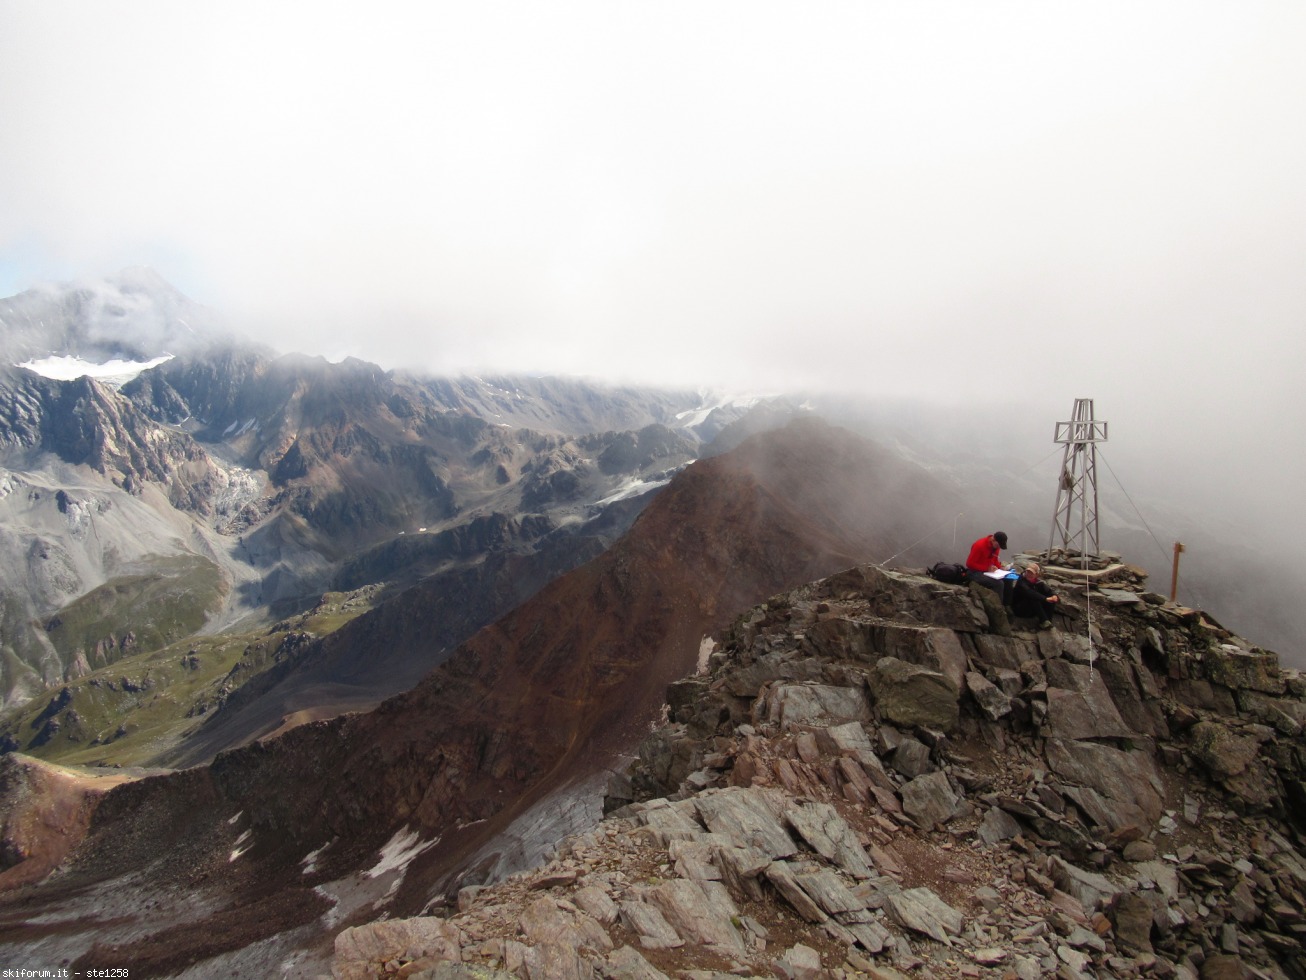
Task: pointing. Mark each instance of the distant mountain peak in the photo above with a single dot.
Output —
(133, 316)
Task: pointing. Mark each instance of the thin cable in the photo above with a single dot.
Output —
(1154, 538)
(1088, 616)
(961, 515)
(1201, 601)
(1038, 464)
(923, 537)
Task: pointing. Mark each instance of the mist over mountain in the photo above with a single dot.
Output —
(378, 613)
(228, 487)
(287, 475)
(133, 316)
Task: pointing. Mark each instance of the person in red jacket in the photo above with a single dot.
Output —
(986, 556)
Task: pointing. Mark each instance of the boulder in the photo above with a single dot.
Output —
(920, 910)
(648, 923)
(597, 904)
(670, 821)
(910, 695)
(912, 758)
(745, 816)
(781, 875)
(848, 740)
(798, 963)
(990, 698)
(841, 639)
(792, 705)
(938, 649)
(997, 825)
(930, 800)
(1141, 713)
(1220, 750)
(625, 963)
(827, 833)
(1130, 781)
(1003, 651)
(361, 949)
(689, 910)
(1079, 704)
(1236, 668)
(556, 961)
(1132, 920)
(827, 890)
(746, 680)
(545, 922)
(1091, 890)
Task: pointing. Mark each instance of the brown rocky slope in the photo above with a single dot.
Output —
(876, 775)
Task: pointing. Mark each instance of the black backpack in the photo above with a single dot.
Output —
(949, 572)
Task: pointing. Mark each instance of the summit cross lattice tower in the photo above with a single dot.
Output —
(1074, 521)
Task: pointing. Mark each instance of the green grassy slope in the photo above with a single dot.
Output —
(162, 602)
(128, 712)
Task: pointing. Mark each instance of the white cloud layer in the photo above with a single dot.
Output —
(994, 201)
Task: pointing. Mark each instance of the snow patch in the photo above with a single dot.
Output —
(399, 852)
(231, 430)
(697, 416)
(310, 859)
(115, 372)
(632, 488)
(705, 648)
(237, 851)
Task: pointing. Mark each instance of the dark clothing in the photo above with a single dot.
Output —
(1031, 599)
(1002, 586)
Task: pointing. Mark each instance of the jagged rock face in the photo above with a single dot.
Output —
(89, 424)
(212, 390)
(76, 448)
(84, 423)
(359, 452)
(561, 406)
(1066, 754)
(630, 452)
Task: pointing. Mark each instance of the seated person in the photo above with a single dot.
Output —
(1032, 598)
(986, 556)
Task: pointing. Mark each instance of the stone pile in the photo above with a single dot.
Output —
(877, 776)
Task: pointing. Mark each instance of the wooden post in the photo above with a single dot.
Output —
(1174, 578)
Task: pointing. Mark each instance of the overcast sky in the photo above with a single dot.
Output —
(994, 200)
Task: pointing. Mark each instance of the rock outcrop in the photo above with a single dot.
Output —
(866, 780)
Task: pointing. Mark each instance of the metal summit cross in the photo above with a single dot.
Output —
(1078, 484)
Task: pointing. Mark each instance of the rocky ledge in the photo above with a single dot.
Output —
(880, 775)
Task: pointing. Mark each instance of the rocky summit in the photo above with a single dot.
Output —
(881, 775)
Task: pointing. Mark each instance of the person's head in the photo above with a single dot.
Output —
(1001, 538)
(1032, 571)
